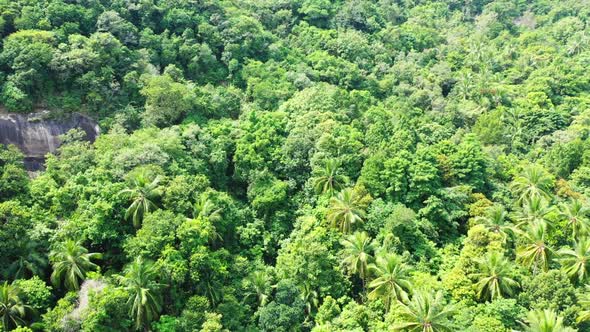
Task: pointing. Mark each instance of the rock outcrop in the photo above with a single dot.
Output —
(36, 134)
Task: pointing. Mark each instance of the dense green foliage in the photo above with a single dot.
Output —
(300, 165)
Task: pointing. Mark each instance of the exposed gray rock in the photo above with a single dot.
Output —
(73, 320)
(36, 135)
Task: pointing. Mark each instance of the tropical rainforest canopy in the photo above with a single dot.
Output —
(299, 165)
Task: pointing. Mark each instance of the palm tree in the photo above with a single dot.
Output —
(71, 261)
(346, 209)
(391, 279)
(144, 298)
(494, 277)
(310, 297)
(576, 214)
(328, 180)
(535, 252)
(12, 309)
(545, 321)
(464, 85)
(576, 262)
(534, 181)
(210, 288)
(143, 193)
(204, 227)
(496, 220)
(206, 211)
(427, 312)
(29, 263)
(584, 302)
(259, 283)
(534, 210)
(357, 254)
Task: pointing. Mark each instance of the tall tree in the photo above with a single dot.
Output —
(535, 251)
(207, 212)
(494, 278)
(328, 179)
(30, 262)
(166, 101)
(534, 211)
(533, 181)
(346, 209)
(496, 220)
(310, 297)
(71, 261)
(576, 214)
(426, 312)
(584, 302)
(144, 190)
(259, 285)
(392, 279)
(139, 280)
(545, 321)
(357, 254)
(206, 209)
(12, 308)
(576, 262)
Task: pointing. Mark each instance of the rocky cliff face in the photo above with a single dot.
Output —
(36, 135)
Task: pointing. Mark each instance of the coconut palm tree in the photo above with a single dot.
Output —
(30, 262)
(494, 279)
(143, 192)
(71, 261)
(12, 308)
(357, 254)
(576, 214)
(584, 302)
(206, 213)
(310, 297)
(426, 312)
(392, 280)
(139, 279)
(259, 284)
(464, 85)
(210, 288)
(576, 262)
(206, 209)
(545, 321)
(534, 210)
(496, 220)
(328, 180)
(533, 181)
(345, 210)
(535, 252)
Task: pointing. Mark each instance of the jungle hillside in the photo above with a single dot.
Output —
(299, 166)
